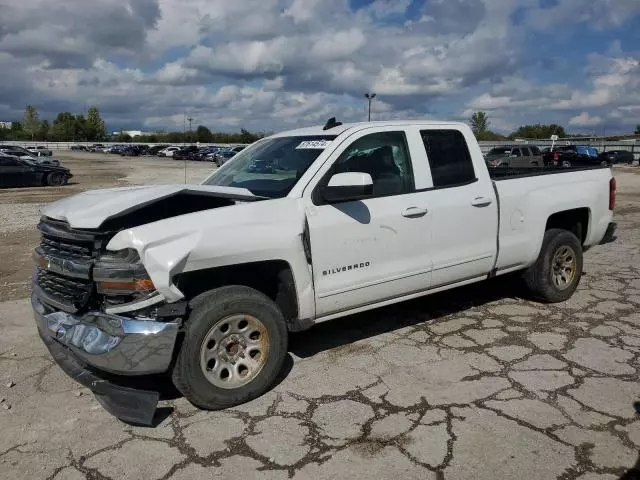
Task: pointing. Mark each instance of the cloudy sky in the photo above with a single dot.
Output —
(276, 64)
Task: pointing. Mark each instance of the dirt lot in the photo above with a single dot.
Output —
(472, 384)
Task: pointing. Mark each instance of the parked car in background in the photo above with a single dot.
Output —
(79, 148)
(212, 152)
(617, 156)
(21, 152)
(168, 152)
(186, 153)
(132, 150)
(567, 156)
(22, 172)
(40, 151)
(223, 156)
(114, 149)
(97, 147)
(514, 157)
(155, 149)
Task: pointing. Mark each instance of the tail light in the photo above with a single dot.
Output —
(612, 194)
(556, 156)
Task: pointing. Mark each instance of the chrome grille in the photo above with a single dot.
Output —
(58, 247)
(64, 260)
(71, 292)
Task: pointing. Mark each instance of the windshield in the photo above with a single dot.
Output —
(500, 151)
(271, 167)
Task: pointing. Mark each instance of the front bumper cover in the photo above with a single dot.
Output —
(106, 353)
(128, 404)
(107, 342)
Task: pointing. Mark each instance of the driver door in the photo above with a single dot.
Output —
(369, 250)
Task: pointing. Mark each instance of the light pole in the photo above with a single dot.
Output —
(369, 97)
(190, 119)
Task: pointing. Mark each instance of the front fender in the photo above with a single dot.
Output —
(240, 234)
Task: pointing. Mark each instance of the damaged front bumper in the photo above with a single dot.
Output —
(86, 345)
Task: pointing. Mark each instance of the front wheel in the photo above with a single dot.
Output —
(234, 346)
(56, 179)
(557, 271)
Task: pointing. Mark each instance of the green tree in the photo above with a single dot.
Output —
(43, 130)
(80, 128)
(203, 134)
(63, 128)
(95, 125)
(539, 131)
(489, 136)
(30, 122)
(479, 122)
(175, 137)
(17, 132)
(122, 137)
(637, 132)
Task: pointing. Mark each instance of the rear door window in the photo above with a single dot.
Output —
(449, 158)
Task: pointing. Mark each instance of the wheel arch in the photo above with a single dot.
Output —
(273, 278)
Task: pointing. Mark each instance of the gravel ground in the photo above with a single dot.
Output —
(475, 384)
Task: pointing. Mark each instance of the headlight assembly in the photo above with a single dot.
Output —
(121, 273)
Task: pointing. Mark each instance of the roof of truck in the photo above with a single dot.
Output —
(319, 130)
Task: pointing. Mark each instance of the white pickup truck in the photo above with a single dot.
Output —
(204, 282)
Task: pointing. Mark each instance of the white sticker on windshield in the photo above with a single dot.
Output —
(314, 144)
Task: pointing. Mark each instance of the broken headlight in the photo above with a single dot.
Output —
(122, 273)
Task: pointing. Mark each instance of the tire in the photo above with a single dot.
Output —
(544, 279)
(204, 355)
(56, 179)
(566, 164)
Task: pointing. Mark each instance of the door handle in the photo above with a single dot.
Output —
(414, 212)
(481, 201)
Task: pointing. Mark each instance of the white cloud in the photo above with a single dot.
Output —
(585, 120)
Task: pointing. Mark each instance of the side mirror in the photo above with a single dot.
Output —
(350, 186)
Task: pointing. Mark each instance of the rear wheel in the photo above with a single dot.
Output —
(56, 179)
(557, 271)
(566, 164)
(234, 347)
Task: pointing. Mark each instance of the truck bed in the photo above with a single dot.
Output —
(529, 197)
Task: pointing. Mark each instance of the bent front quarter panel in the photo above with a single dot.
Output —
(527, 203)
(243, 233)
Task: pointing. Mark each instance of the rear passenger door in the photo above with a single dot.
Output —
(462, 206)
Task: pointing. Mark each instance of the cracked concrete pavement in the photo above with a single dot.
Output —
(474, 383)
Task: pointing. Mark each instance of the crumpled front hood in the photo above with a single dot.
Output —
(91, 209)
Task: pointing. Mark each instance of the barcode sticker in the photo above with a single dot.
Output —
(314, 145)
